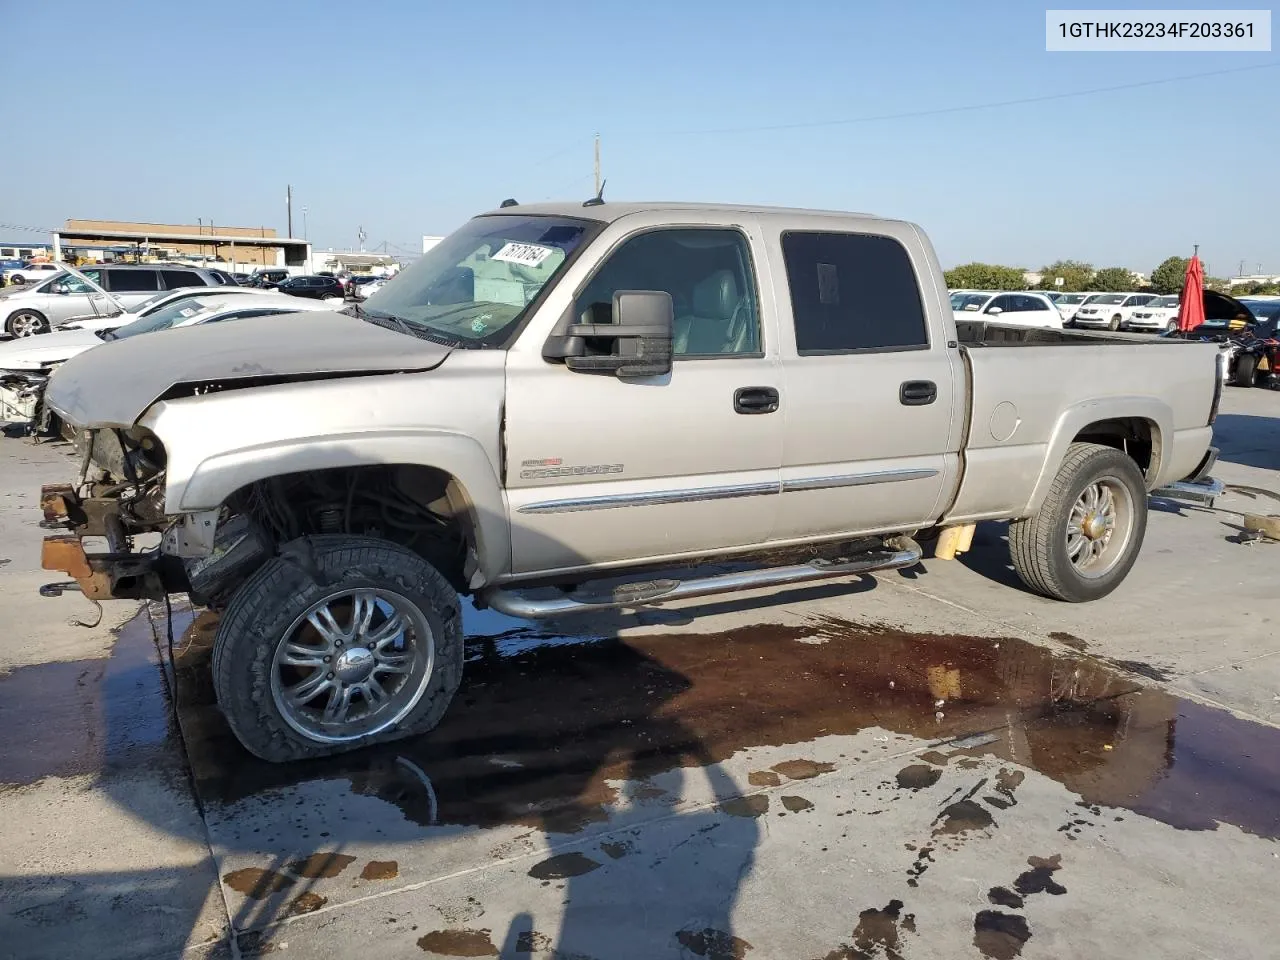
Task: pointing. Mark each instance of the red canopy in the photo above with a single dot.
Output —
(1191, 310)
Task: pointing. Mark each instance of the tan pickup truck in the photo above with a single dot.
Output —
(567, 407)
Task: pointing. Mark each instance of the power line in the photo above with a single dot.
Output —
(938, 111)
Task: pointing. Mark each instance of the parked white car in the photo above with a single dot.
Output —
(1110, 311)
(1158, 314)
(1069, 303)
(31, 273)
(159, 302)
(25, 364)
(1015, 309)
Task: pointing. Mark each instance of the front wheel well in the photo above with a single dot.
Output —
(422, 508)
(1137, 437)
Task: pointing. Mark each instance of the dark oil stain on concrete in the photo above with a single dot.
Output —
(917, 776)
(1004, 897)
(877, 934)
(380, 870)
(530, 941)
(1039, 879)
(99, 716)
(616, 850)
(1067, 639)
(713, 944)
(308, 902)
(580, 719)
(563, 866)
(753, 806)
(1151, 672)
(321, 866)
(924, 857)
(1000, 936)
(459, 943)
(935, 758)
(764, 778)
(962, 817)
(796, 804)
(802, 769)
(255, 943)
(257, 883)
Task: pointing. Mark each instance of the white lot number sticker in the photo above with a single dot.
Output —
(526, 254)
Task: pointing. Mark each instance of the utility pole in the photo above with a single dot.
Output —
(597, 193)
(1241, 273)
(288, 203)
(304, 222)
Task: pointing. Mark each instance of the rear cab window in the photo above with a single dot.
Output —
(852, 293)
(132, 281)
(173, 279)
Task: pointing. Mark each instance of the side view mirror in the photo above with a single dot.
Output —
(995, 311)
(638, 343)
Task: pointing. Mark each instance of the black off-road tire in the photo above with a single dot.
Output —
(1246, 372)
(266, 604)
(1038, 546)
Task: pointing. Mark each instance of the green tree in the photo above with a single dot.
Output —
(985, 276)
(1170, 275)
(1114, 280)
(1216, 283)
(1075, 275)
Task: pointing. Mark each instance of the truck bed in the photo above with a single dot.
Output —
(981, 333)
(1027, 405)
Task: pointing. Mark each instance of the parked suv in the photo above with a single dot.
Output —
(316, 287)
(30, 273)
(99, 290)
(1110, 310)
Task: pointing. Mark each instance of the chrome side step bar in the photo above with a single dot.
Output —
(1202, 492)
(606, 596)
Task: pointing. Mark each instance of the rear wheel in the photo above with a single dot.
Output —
(1085, 537)
(1246, 370)
(26, 323)
(338, 643)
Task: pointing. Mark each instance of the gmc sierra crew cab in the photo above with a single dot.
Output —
(567, 407)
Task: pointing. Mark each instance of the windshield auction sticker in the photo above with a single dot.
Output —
(525, 254)
(1181, 31)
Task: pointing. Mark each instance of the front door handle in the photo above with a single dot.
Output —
(917, 393)
(755, 400)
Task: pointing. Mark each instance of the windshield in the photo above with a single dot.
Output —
(1109, 298)
(164, 318)
(1164, 302)
(1070, 298)
(969, 301)
(479, 280)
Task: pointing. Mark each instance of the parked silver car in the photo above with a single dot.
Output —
(100, 290)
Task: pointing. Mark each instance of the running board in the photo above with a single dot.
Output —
(603, 597)
(1203, 492)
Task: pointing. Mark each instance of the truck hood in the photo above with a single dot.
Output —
(46, 349)
(113, 385)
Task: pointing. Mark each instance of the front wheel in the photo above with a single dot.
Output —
(1246, 370)
(337, 643)
(1114, 325)
(1085, 537)
(1171, 326)
(26, 323)
(18, 280)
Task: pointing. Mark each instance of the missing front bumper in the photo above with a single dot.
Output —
(117, 573)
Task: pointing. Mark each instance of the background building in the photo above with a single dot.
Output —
(237, 247)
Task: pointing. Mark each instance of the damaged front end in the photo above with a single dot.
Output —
(21, 393)
(118, 502)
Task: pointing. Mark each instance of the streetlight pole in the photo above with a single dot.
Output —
(304, 223)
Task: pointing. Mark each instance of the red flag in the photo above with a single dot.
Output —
(1191, 309)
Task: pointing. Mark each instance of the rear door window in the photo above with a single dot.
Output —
(852, 292)
(132, 281)
(173, 279)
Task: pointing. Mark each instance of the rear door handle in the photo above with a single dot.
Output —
(755, 400)
(917, 393)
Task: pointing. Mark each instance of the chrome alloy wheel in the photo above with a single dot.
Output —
(352, 665)
(1099, 527)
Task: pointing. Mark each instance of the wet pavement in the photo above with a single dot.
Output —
(923, 765)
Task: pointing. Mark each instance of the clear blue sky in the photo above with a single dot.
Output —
(406, 118)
